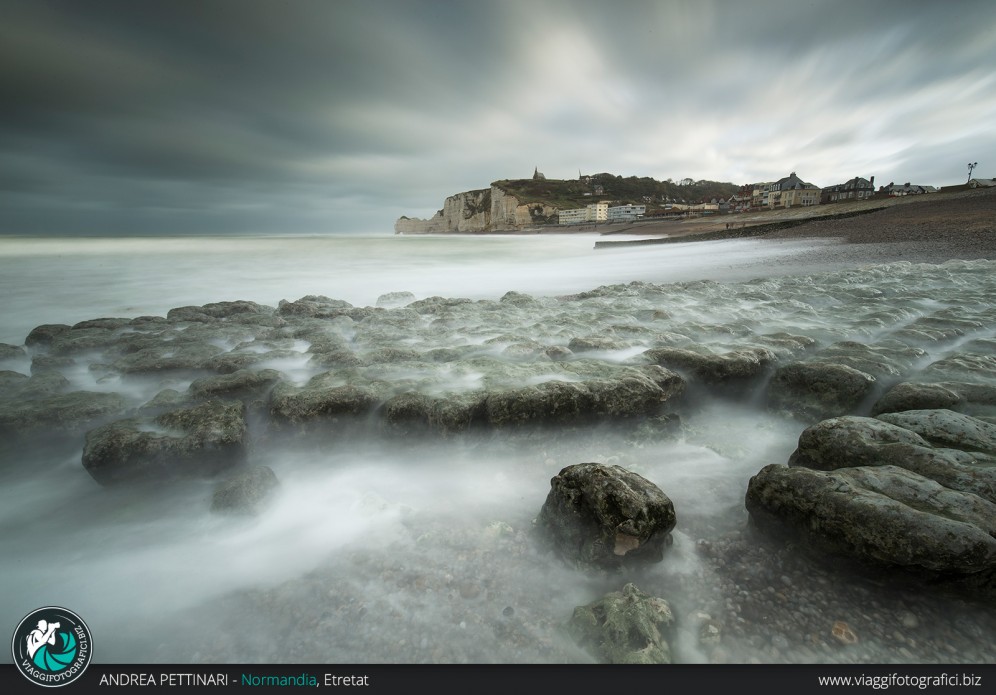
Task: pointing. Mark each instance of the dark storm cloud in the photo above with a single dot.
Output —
(338, 116)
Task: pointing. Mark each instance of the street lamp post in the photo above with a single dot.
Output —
(971, 166)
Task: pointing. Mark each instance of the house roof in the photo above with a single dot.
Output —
(792, 181)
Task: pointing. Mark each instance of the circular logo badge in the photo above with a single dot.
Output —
(52, 646)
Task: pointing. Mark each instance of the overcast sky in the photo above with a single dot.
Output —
(340, 116)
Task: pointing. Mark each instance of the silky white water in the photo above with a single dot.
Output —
(391, 551)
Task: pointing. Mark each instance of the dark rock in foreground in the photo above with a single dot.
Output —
(625, 627)
(883, 495)
(200, 441)
(606, 517)
(248, 492)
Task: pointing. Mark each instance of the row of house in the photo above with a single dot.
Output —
(787, 192)
(792, 191)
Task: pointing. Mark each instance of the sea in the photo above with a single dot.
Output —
(378, 552)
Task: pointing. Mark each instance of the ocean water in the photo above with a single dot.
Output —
(392, 551)
(65, 280)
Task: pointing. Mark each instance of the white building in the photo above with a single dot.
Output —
(576, 216)
(595, 212)
(621, 213)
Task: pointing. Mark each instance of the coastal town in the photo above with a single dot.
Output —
(790, 191)
(600, 202)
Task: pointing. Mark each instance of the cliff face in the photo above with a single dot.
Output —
(480, 211)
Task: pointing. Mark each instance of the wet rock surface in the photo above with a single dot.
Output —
(606, 517)
(892, 494)
(625, 627)
(200, 441)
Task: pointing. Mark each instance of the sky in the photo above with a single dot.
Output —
(335, 116)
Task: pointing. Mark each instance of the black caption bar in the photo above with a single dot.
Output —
(504, 679)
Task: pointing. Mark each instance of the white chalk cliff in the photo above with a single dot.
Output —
(485, 210)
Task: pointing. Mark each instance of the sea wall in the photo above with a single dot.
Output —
(479, 211)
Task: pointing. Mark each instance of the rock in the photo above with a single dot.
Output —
(738, 365)
(216, 311)
(637, 394)
(945, 428)
(199, 441)
(321, 400)
(858, 441)
(11, 352)
(843, 633)
(518, 299)
(64, 412)
(606, 517)
(241, 385)
(818, 390)
(885, 516)
(50, 363)
(965, 366)
(625, 627)
(248, 492)
(391, 300)
(11, 382)
(558, 353)
(594, 344)
(317, 306)
(39, 385)
(890, 359)
(107, 323)
(167, 399)
(44, 335)
(167, 357)
(910, 396)
(549, 403)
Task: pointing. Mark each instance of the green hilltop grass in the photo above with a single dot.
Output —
(565, 195)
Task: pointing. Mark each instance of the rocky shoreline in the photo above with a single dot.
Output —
(889, 371)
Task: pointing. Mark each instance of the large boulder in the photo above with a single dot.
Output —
(598, 516)
(859, 441)
(891, 494)
(42, 336)
(885, 516)
(199, 441)
(625, 627)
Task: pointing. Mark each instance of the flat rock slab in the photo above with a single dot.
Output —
(195, 442)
